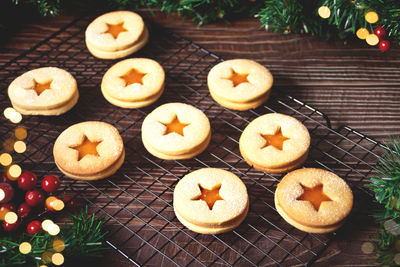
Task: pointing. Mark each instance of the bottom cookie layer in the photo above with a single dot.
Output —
(281, 169)
(104, 174)
(213, 230)
(49, 112)
(241, 106)
(121, 53)
(187, 155)
(305, 228)
(132, 104)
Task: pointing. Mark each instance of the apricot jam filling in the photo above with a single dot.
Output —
(133, 76)
(276, 140)
(315, 195)
(175, 126)
(87, 148)
(115, 29)
(238, 78)
(41, 87)
(209, 196)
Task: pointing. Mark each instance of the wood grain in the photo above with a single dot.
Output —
(352, 84)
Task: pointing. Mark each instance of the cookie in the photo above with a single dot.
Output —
(89, 150)
(176, 131)
(116, 34)
(211, 201)
(45, 91)
(313, 200)
(133, 83)
(239, 84)
(275, 143)
(121, 53)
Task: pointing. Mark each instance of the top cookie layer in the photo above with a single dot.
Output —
(330, 212)
(148, 79)
(194, 123)
(253, 144)
(232, 191)
(239, 80)
(109, 148)
(131, 28)
(61, 87)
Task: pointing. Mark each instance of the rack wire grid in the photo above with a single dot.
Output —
(137, 200)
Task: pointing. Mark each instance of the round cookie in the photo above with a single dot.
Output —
(45, 91)
(176, 131)
(115, 31)
(133, 83)
(275, 143)
(89, 150)
(211, 201)
(239, 84)
(313, 200)
(120, 53)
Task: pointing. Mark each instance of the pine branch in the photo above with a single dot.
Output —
(83, 238)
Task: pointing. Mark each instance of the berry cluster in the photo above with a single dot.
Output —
(27, 201)
(384, 44)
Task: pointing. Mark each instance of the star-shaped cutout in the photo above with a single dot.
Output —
(86, 147)
(115, 29)
(133, 76)
(175, 126)
(40, 87)
(315, 195)
(238, 78)
(276, 140)
(209, 196)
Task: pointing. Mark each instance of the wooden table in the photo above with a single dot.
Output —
(353, 84)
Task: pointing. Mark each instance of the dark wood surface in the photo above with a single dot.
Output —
(353, 84)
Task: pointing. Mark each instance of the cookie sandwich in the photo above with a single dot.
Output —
(211, 201)
(89, 150)
(313, 200)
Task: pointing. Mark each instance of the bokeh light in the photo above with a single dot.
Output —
(5, 159)
(25, 248)
(20, 146)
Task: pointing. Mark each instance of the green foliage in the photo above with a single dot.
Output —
(386, 187)
(83, 238)
(288, 16)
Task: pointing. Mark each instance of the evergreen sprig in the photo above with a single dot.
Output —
(386, 184)
(386, 187)
(288, 16)
(83, 238)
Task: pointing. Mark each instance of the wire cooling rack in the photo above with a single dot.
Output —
(137, 201)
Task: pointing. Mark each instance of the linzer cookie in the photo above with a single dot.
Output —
(44, 91)
(116, 34)
(275, 143)
(89, 151)
(176, 131)
(211, 201)
(239, 84)
(313, 200)
(133, 83)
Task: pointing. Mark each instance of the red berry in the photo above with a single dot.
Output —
(380, 32)
(384, 45)
(8, 206)
(7, 192)
(27, 181)
(23, 210)
(50, 183)
(69, 202)
(33, 227)
(10, 226)
(34, 198)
